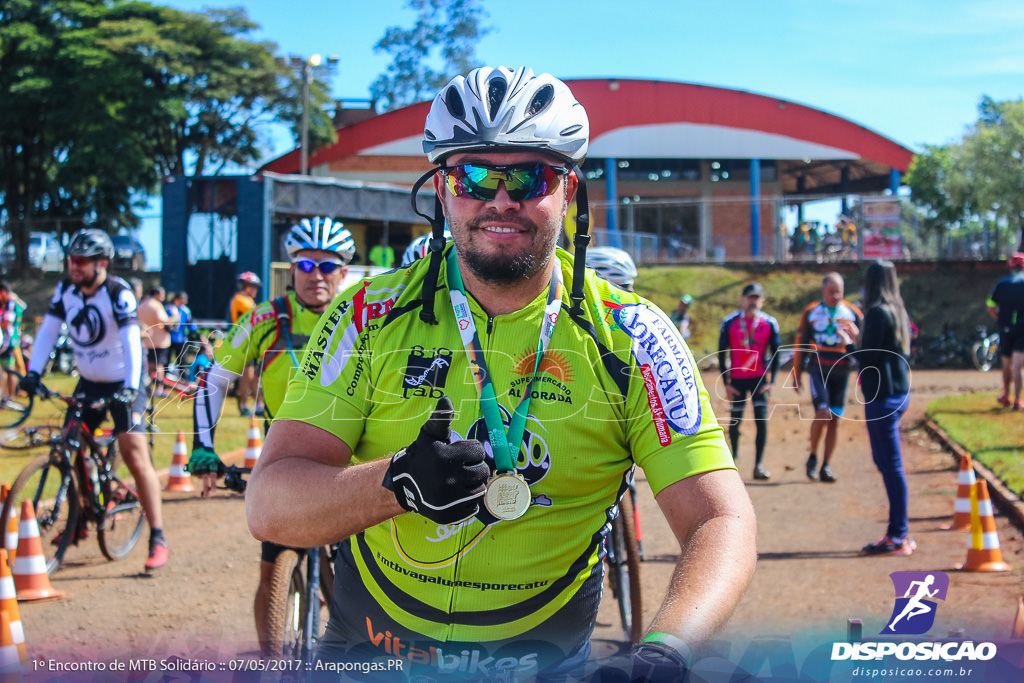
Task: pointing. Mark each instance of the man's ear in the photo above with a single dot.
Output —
(572, 183)
(440, 190)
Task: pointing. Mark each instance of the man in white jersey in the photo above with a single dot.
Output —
(101, 316)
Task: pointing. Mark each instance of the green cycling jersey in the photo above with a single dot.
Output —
(617, 386)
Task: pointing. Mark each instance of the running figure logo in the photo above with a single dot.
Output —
(916, 595)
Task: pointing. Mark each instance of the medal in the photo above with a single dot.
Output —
(507, 496)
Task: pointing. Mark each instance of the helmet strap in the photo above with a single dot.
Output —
(436, 245)
(580, 241)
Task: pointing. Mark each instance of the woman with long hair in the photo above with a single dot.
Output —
(882, 349)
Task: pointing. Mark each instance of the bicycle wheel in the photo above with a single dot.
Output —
(31, 436)
(286, 611)
(627, 572)
(50, 486)
(15, 409)
(123, 521)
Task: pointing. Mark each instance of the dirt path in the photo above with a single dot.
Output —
(809, 580)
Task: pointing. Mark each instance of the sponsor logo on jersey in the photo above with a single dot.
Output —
(426, 373)
(86, 327)
(669, 375)
(553, 374)
(125, 303)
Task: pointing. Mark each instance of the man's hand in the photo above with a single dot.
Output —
(126, 395)
(731, 392)
(208, 465)
(440, 480)
(646, 662)
(29, 383)
(796, 381)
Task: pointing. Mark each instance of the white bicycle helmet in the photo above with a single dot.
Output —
(419, 247)
(614, 265)
(506, 110)
(250, 278)
(323, 234)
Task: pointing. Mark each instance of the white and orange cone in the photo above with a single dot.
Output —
(10, 661)
(29, 568)
(965, 480)
(983, 553)
(1017, 630)
(9, 604)
(254, 445)
(179, 479)
(11, 533)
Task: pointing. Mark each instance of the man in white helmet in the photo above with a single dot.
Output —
(274, 335)
(469, 423)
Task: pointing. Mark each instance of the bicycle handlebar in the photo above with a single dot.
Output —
(233, 478)
(76, 399)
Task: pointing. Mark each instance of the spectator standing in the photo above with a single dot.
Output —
(681, 316)
(820, 348)
(882, 351)
(748, 345)
(156, 335)
(1006, 305)
(244, 301)
(181, 330)
(12, 311)
(382, 255)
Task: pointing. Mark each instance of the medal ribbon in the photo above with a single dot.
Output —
(501, 442)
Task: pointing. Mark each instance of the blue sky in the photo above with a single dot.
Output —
(912, 70)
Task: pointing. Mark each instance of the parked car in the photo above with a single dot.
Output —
(128, 253)
(44, 252)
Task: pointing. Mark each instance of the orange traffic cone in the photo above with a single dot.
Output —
(11, 534)
(254, 446)
(9, 604)
(29, 568)
(10, 662)
(1017, 631)
(983, 554)
(179, 479)
(965, 479)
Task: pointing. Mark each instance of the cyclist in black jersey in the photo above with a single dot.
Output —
(1006, 305)
(101, 315)
(485, 562)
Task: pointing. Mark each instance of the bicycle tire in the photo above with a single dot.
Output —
(50, 486)
(123, 521)
(286, 608)
(30, 436)
(327, 555)
(15, 409)
(632, 556)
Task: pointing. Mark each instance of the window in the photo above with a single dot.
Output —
(651, 170)
(724, 170)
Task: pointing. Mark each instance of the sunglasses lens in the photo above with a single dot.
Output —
(522, 182)
(326, 267)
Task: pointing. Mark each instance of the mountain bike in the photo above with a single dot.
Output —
(985, 353)
(293, 629)
(623, 558)
(75, 485)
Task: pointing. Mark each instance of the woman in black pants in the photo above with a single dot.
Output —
(882, 350)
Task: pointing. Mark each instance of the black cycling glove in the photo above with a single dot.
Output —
(646, 662)
(440, 480)
(29, 383)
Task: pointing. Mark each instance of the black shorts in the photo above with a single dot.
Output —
(1010, 340)
(125, 419)
(157, 358)
(828, 386)
(748, 385)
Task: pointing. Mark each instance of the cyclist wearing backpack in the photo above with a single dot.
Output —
(274, 334)
(484, 561)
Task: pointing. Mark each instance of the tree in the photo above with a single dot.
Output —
(980, 177)
(451, 27)
(101, 98)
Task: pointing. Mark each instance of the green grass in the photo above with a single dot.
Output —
(993, 435)
(173, 414)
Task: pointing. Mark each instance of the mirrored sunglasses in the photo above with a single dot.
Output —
(327, 266)
(521, 181)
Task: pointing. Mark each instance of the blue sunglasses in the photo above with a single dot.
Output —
(327, 266)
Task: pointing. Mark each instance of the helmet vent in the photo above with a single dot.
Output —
(496, 90)
(454, 104)
(541, 99)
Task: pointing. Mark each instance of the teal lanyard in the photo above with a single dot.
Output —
(501, 442)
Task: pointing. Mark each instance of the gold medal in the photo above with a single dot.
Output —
(507, 496)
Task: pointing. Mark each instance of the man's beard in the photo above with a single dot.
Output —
(506, 268)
